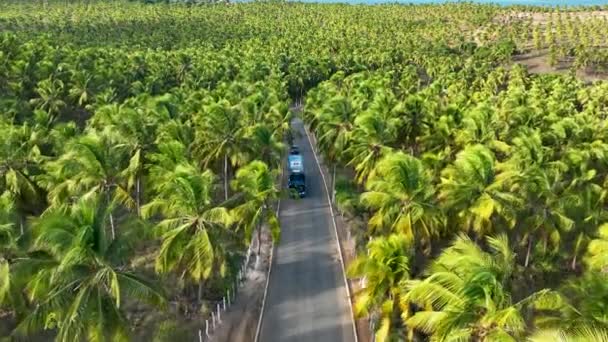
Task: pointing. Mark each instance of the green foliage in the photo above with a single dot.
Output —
(75, 274)
(257, 184)
(111, 149)
(466, 293)
(401, 194)
(384, 268)
(192, 227)
(159, 130)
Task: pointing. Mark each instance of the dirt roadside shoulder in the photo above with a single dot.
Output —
(239, 322)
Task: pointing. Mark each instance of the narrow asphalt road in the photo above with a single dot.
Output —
(306, 298)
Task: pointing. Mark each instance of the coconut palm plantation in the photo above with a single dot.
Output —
(142, 148)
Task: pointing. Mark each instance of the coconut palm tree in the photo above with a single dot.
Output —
(334, 125)
(220, 136)
(256, 187)
(385, 266)
(472, 189)
(586, 295)
(373, 135)
(193, 228)
(132, 126)
(170, 153)
(535, 174)
(415, 116)
(402, 199)
(264, 144)
(91, 165)
(467, 294)
(50, 97)
(78, 278)
(11, 296)
(19, 163)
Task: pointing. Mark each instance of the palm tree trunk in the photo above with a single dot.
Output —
(258, 254)
(113, 229)
(199, 294)
(528, 251)
(259, 240)
(226, 176)
(333, 185)
(112, 226)
(573, 265)
(138, 194)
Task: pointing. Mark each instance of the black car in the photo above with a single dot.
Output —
(294, 149)
(297, 182)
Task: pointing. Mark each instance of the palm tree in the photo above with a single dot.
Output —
(78, 278)
(265, 144)
(585, 297)
(132, 127)
(473, 190)
(333, 127)
(479, 126)
(374, 132)
(466, 295)
(385, 266)
(91, 166)
(415, 122)
(220, 136)
(11, 296)
(82, 88)
(193, 229)
(19, 163)
(256, 185)
(50, 97)
(170, 153)
(534, 174)
(401, 196)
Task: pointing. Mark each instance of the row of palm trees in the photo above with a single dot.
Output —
(134, 131)
(188, 178)
(506, 169)
(469, 293)
(142, 144)
(571, 39)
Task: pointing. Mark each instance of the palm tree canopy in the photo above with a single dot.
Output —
(191, 226)
(385, 266)
(402, 195)
(467, 294)
(472, 188)
(256, 184)
(78, 271)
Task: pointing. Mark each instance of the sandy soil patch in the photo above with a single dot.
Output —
(537, 63)
(542, 18)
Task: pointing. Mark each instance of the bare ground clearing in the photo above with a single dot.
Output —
(543, 17)
(537, 63)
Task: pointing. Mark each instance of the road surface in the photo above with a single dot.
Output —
(307, 299)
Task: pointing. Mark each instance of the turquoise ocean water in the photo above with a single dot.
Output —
(499, 2)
